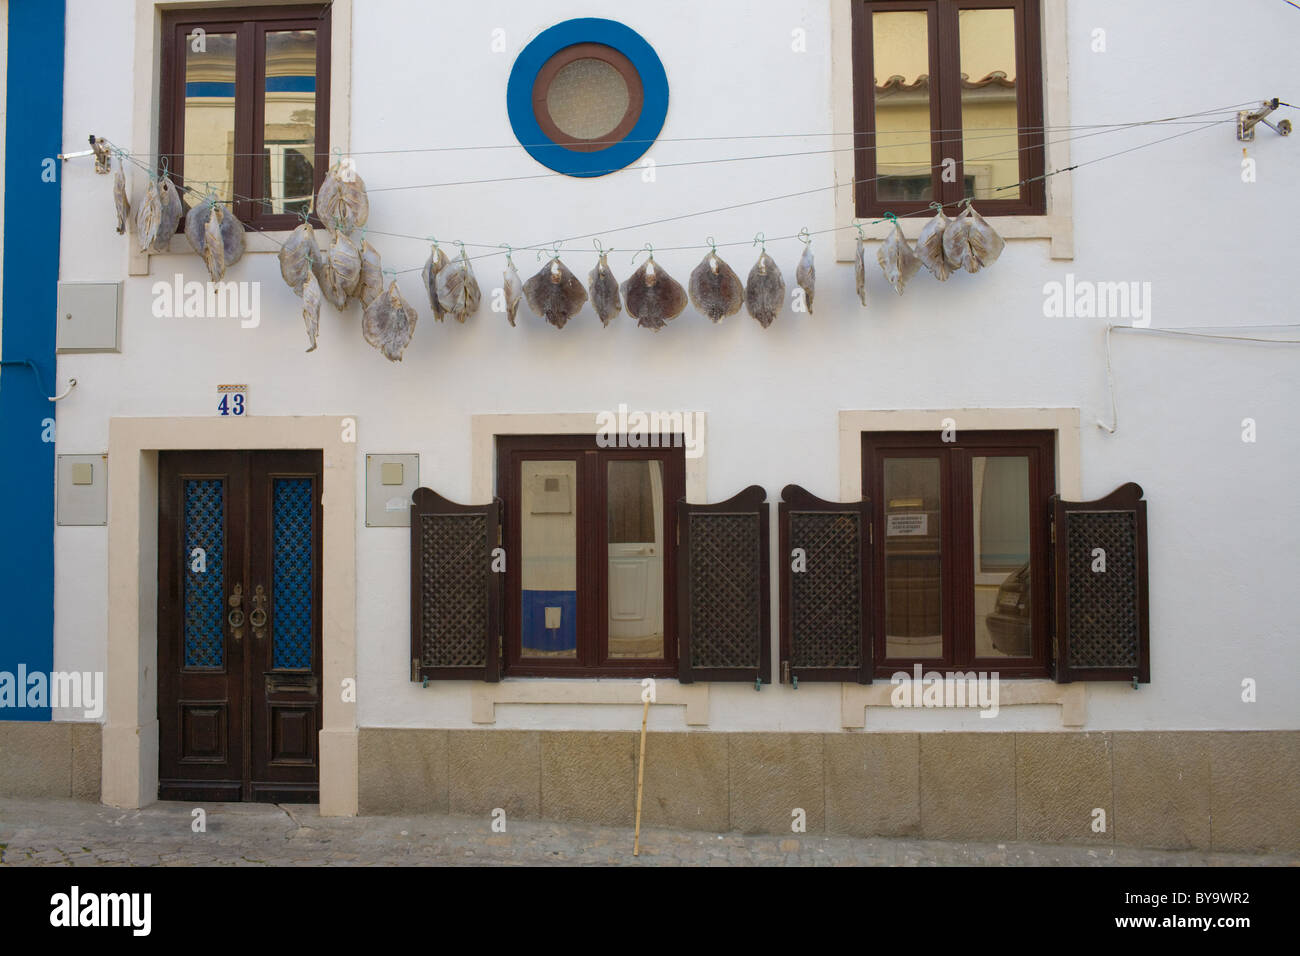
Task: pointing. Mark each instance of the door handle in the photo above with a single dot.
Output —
(258, 617)
(236, 616)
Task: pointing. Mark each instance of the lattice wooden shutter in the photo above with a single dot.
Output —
(455, 593)
(1100, 593)
(825, 608)
(722, 590)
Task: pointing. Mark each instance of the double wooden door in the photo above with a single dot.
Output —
(239, 625)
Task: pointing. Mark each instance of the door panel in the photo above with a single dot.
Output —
(239, 625)
(201, 500)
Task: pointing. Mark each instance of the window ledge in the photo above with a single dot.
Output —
(548, 690)
(254, 243)
(1058, 229)
(1073, 698)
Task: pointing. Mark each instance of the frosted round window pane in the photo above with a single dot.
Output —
(587, 99)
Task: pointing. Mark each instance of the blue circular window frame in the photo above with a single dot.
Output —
(601, 162)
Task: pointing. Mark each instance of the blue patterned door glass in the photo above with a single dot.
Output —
(291, 589)
(205, 528)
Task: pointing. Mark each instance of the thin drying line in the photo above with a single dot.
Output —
(1183, 332)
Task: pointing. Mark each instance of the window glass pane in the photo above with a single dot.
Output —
(913, 610)
(209, 146)
(289, 134)
(990, 139)
(587, 99)
(549, 558)
(901, 58)
(636, 559)
(1003, 612)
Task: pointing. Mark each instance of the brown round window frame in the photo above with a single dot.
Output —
(587, 51)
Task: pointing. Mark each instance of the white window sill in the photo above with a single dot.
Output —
(254, 243)
(1073, 698)
(1059, 230)
(550, 690)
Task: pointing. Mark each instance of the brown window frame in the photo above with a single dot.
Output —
(250, 25)
(945, 108)
(593, 552)
(957, 562)
(594, 51)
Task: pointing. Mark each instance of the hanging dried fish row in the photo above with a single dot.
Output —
(970, 243)
(653, 297)
(388, 323)
(764, 290)
(512, 289)
(457, 289)
(897, 260)
(604, 291)
(929, 246)
(341, 202)
(120, 200)
(555, 293)
(210, 225)
(436, 262)
(715, 289)
(805, 275)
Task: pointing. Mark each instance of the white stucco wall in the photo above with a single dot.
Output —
(1215, 250)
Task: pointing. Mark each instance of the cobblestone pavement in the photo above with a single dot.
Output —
(67, 832)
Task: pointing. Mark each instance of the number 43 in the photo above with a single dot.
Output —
(231, 404)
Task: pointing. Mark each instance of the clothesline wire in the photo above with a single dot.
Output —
(738, 136)
(556, 246)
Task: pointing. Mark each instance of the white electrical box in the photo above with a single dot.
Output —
(82, 490)
(88, 317)
(390, 481)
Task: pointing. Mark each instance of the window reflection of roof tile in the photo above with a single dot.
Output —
(899, 84)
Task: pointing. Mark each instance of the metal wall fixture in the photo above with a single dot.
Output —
(1247, 120)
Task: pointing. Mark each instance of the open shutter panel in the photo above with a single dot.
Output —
(1100, 594)
(722, 590)
(455, 591)
(823, 563)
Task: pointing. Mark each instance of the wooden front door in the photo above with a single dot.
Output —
(239, 626)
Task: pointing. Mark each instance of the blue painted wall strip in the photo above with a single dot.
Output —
(33, 134)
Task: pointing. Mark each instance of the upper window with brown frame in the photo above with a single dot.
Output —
(961, 549)
(948, 105)
(244, 107)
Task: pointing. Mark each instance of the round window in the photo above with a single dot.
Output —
(587, 97)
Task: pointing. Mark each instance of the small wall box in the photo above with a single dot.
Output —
(390, 481)
(82, 490)
(88, 316)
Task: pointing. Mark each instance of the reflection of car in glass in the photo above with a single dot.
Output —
(1011, 621)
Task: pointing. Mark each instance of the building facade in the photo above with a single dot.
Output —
(1004, 556)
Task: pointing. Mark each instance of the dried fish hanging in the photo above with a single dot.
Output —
(215, 235)
(371, 285)
(929, 246)
(765, 289)
(653, 297)
(805, 274)
(860, 264)
(555, 293)
(716, 291)
(970, 243)
(341, 202)
(436, 262)
(172, 209)
(311, 296)
(297, 255)
(338, 269)
(896, 258)
(458, 292)
(603, 288)
(120, 199)
(512, 288)
(388, 322)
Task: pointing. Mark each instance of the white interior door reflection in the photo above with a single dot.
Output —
(636, 559)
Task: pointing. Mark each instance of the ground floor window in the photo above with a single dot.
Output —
(592, 587)
(961, 548)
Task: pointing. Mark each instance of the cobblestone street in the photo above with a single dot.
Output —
(66, 832)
